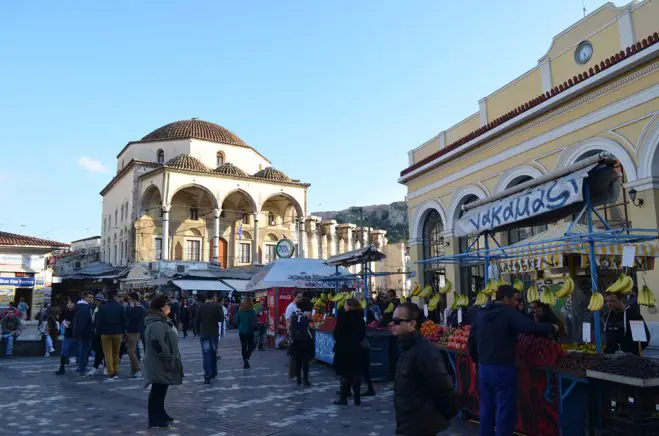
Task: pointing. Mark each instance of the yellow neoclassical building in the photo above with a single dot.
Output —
(595, 89)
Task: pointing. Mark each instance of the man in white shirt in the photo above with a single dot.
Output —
(290, 311)
(292, 308)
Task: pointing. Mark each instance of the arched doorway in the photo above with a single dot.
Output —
(434, 274)
(223, 252)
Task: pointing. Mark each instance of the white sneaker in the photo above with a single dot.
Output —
(52, 350)
(92, 372)
(47, 355)
(138, 374)
(111, 379)
(105, 371)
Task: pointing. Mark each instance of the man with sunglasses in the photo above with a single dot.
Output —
(492, 346)
(423, 389)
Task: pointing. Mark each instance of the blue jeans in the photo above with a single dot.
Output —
(49, 344)
(10, 343)
(259, 336)
(83, 352)
(208, 350)
(498, 395)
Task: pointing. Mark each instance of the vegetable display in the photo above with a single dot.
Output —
(537, 351)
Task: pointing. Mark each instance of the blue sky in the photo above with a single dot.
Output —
(333, 92)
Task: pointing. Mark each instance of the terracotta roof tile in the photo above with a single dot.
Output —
(603, 65)
(187, 162)
(272, 174)
(195, 128)
(15, 239)
(229, 169)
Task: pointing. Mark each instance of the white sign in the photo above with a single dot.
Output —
(27, 261)
(638, 331)
(425, 310)
(459, 316)
(535, 201)
(628, 254)
(585, 332)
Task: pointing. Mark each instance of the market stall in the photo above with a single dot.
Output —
(277, 282)
(567, 268)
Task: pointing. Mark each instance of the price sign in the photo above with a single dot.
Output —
(459, 316)
(585, 332)
(447, 311)
(628, 253)
(425, 310)
(638, 331)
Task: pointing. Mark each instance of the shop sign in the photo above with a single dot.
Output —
(29, 261)
(19, 282)
(285, 249)
(547, 197)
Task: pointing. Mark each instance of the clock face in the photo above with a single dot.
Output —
(584, 52)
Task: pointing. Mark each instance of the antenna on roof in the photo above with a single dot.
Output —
(583, 2)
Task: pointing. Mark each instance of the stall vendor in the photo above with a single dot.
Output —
(617, 329)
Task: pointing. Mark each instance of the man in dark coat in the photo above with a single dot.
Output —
(209, 315)
(83, 330)
(617, 329)
(492, 346)
(423, 389)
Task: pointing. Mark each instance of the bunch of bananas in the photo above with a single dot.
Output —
(519, 285)
(434, 302)
(646, 297)
(566, 288)
(416, 289)
(447, 288)
(427, 292)
(320, 301)
(481, 299)
(596, 302)
(547, 297)
(459, 300)
(623, 285)
(532, 294)
(491, 288)
(389, 308)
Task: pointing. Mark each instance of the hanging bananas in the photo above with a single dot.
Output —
(646, 297)
(519, 285)
(566, 288)
(434, 302)
(547, 297)
(427, 292)
(481, 299)
(532, 294)
(389, 308)
(447, 288)
(459, 301)
(416, 289)
(596, 302)
(623, 285)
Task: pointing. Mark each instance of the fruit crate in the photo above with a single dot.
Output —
(623, 397)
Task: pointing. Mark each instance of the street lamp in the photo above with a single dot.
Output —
(632, 196)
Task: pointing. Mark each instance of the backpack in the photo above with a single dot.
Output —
(300, 327)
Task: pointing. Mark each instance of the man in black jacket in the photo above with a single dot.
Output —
(111, 324)
(209, 315)
(617, 328)
(423, 389)
(492, 346)
(83, 330)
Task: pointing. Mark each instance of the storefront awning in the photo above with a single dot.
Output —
(202, 285)
(237, 284)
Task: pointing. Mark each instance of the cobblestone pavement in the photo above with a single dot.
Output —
(260, 401)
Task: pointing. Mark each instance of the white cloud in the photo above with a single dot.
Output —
(92, 165)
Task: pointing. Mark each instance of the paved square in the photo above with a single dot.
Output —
(260, 401)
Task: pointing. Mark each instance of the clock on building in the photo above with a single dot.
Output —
(583, 52)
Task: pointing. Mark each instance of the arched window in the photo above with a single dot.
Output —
(194, 212)
(122, 212)
(115, 217)
(126, 209)
(219, 159)
(161, 156)
(272, 221)
(433, 246)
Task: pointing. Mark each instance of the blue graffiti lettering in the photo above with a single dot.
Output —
(556, 201)
(539, 203)
(524, 212)
(509, 211)
(496, 221)
(485, 219)
(476, 224)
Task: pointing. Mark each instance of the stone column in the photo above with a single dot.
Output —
(311, 231)
(255, 240)
(329, 237)
(301, 239)
(345, 232)
(215, 256)
(165, 232)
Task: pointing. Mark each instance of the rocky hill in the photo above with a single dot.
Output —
(390, 217)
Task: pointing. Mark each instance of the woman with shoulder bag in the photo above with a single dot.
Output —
(162, 360)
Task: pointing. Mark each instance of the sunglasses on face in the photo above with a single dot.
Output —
(397, 321)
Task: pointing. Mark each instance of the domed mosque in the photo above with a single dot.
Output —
(193, 190)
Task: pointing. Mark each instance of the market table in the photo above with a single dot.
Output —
(383, 350)
(550, 401)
